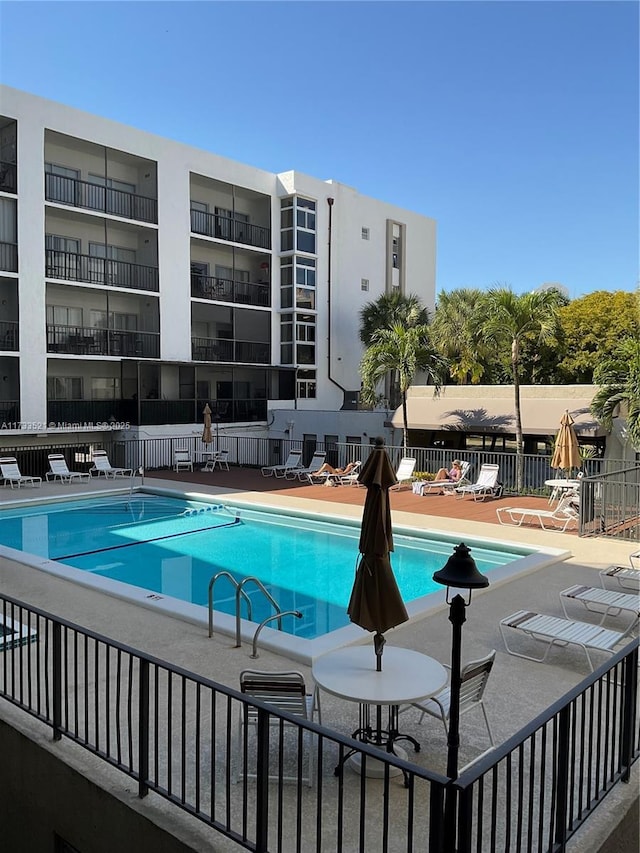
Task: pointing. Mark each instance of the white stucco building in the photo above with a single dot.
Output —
(141, 278)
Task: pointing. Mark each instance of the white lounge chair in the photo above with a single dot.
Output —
(293, 460)
(552, 630)
(603, 602)
(350, 479)
(300, 473)
(286, 691)
(11, 474)
(485, 486)
(60, 470)
(621, 577)
(182, 460)
(430, 487)
(405, 471)
(559, 519)
(219, 458)
(101, 465)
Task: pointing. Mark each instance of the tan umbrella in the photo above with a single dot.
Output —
(206, 432)
(567, 453)
(375, 603)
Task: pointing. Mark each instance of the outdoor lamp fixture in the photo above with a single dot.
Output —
(460, 572)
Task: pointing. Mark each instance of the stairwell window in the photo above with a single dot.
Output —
(364, 284)
(365, 233)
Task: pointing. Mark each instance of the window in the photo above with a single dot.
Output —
(364, 284)
(200, 222)
(111, 183)
(306, 384)
(64, 387)
(305, 339)
(286, 225)
(365, 233)
(105, 388)
(62, 315)
(396, 253)
(305, 283)
(61, 186)
(110, 195)
(286, 339)
(117, 261)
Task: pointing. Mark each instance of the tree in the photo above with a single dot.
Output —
(510, 317)
(619, 378)
(458, 334)
(404, 351)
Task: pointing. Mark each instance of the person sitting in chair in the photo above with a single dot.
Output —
(325, 468)
(453, 474)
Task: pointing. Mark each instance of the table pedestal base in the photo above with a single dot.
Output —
(376, 769)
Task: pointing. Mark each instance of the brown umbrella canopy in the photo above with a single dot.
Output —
(206, 432)
(376, 603)
(567, 453)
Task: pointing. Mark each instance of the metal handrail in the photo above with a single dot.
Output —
(254, 650)
(238, 592)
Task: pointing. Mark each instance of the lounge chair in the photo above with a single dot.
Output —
(559, 519)
(474, 677)
(101, 465)
(350, 479)
(286, 691)
(485, 486)
(431, 487)
(301, 472)
(11, 474)
(405, 471)
(60, 471)
(293, 460)
(219, 458)
(553, 630)
(603, 602)
(621, 577)
(182, 460)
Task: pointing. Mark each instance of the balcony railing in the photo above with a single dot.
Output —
(228, 290)
(77, 340)
(8, 177)
(94, 197)
(9, 414)
(9, 340)
(229, 228)
(9, 257)
(222, 349)
(74, 267)
(91, 412)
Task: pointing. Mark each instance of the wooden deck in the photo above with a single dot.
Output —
(402, 500)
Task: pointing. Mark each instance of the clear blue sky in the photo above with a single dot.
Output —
(513, 124)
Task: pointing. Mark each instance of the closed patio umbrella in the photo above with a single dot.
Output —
(566, 454)
(375, 603)
(206, 432)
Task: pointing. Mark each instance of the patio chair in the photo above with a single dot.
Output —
(293, 460)
(430, 487)
(405, 471)
(621, 577)
(559, 519)
(285, 691)
(474, 677)
(60, 471)
(11, 474)
(552, 630)
(101, 465)
(219, 458)
(485, 486)
(603, 602)
(300, 473)
(182, 460)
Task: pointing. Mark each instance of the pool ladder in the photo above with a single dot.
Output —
(241, 594)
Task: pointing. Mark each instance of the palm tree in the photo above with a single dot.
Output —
(619, 378)
(389, 310)
(510, 317)
(405, 352)
(458, 334)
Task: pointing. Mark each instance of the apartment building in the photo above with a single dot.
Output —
(141, 278)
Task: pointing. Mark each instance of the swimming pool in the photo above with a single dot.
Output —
(163, 549)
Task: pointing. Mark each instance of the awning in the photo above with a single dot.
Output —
(495, 414)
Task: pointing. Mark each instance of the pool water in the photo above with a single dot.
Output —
(174, 546)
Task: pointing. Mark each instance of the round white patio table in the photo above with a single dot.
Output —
(561, 485)
(407, 676)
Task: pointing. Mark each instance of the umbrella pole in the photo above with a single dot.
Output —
(378, 645)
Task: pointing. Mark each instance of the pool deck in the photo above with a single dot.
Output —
(518, 691)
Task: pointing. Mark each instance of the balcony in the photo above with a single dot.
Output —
(8, 177)
(9, 257)
(9, 341)
(230, 228)
(228, 290)
(76, 193)
(87, 268)
(76, 340)
(223, 349)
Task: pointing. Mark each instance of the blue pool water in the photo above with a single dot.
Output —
(173, 547)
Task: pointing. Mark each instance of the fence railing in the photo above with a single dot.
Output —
(610, 504)
(78, 193)
(179, 734)
(73, 266)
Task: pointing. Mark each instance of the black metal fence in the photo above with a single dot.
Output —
(73, 266)
(179, 734)
(78, 193)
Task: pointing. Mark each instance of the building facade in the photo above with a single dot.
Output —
(141, 278)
